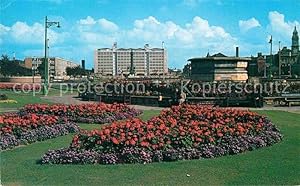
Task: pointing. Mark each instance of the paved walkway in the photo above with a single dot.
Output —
(69, 99)
(66, 99)
(294, 109)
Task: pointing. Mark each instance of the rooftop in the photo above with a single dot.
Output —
(220, 57)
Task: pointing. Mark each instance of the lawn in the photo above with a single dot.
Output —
(26, 98)
(21, 98)
(278, 164)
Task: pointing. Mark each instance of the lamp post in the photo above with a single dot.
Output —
(32, 69)
(48, 24)
(271, 56)
(279, 61)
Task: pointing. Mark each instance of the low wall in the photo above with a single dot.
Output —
(21, 79)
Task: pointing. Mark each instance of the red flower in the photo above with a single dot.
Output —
(132, 142)
(144, 144)
(1, 120)
(200, 123)
(115, 141)
(220, 134)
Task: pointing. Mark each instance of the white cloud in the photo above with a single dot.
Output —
(279, 28)
(21, 33)
(108, 25)
(196, 34)
(90, 33)
(3, 31)
(246, 25)
(88, 21)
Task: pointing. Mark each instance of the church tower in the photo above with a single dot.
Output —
(295, 42)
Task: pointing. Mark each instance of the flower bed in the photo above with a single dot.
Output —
(86, 113)
(19, 86)
(183, 132)
(8, 101)
(18, 129)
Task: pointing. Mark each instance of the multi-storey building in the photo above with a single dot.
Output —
(286, 62)
(139, 62)
(57, 66)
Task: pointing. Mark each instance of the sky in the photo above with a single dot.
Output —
(188, 28)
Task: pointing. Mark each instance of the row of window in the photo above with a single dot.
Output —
(126, 66)
(129, 60)
(129, 54)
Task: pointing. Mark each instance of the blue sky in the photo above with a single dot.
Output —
(189, 28)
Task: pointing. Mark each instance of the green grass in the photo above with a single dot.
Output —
(149, 114)
(28, 98)
(278, 164)
(57, 91)
(21, 98)
(89, 126)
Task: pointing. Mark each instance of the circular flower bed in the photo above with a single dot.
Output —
(18, 129)
(182, 132)
(85, 113)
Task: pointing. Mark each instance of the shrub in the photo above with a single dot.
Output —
(3, 97)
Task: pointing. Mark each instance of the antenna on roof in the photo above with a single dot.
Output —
(115, 45)
(207, 55)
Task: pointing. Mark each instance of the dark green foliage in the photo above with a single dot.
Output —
(12, 67)
(75, 71)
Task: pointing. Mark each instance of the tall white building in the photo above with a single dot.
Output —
(117, 61)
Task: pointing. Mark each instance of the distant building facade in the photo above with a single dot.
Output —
(289, 58)
(120, 61)
(219, 67)
(286, 62)
(257, 66)
(57, 66)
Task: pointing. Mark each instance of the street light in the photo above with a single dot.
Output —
(48, 24)
(271, 56)
(33, 68)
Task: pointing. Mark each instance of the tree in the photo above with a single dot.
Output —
(41, 69)
(75, 71)
(12, 67)
(4, 58)
(70, 71)
(187, 70)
